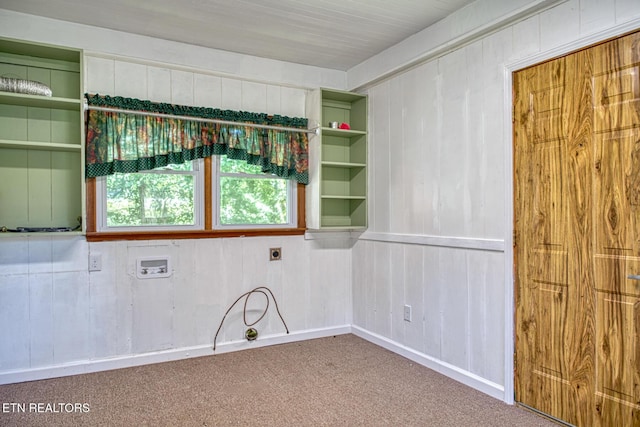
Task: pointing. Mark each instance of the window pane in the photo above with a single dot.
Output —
(253, 201)
(150, 199)
(238, 166)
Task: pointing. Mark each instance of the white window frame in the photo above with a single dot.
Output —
(292, 196)
(197, 172)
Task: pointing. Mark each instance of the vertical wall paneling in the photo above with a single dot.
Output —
(14, 311)
(39, 254)
(160, 84)
(207, 90)
(383, 302)
(102, 77)
(453, 140)
(70, 316)
(292, 101)
(254, 96)
(432, 308)
(201, 269)
(413, 296)
(273, 99)
(182, 88)
(130, 80)
(379, 151)
(596, 15)
(397, 273)
(124, 279)
(412, 148)
(295, 299)
(461, 102)
(368, 298)
(396, 185)
(333, 302)
(454, 308)
(559, 23)
(186, 294)
(231, 92)
(475, 161)
(626, 10)
(499, 46)
(431, 96)
(42, 337)
(105, 313)
(359, 283)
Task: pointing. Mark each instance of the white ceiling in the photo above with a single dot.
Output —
(335, 34)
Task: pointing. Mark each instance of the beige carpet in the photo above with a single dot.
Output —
(337, 381)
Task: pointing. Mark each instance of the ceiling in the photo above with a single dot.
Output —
(335, 34)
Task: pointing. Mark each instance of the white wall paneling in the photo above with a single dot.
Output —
(457, 301)
(76, 321)
(446, 223)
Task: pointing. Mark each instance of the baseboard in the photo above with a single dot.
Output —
(105, 364)
(465, 377)
(128, 361)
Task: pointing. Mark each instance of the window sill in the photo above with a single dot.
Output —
(194, 234)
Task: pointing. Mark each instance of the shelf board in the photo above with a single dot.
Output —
(326, 196)
(8, 234)
(47, 146)
(329, 95)
(40, 51)
(344, 164)
(25, 100)
(344, 133)
(342, 227)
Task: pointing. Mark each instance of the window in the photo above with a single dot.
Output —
(237, 199)
(213, 196)
(164, 198)
(247, 197)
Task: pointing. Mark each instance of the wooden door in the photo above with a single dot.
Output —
(577, 235)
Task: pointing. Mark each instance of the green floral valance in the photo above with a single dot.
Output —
(119, 141)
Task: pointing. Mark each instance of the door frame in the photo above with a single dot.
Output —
(509, 277)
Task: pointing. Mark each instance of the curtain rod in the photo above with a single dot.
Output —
(198, 119)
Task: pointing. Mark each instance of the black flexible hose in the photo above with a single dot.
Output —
(260, 289)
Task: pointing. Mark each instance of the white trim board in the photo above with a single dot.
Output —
(465, 377)
(443, 241)
(128, 361)
(90, 366)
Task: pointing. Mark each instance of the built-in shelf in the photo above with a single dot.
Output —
(31, 145)
(344, 164)
(328, 196)
(41, 140)
(9, 234)
(38, 101)
(345, 133)
(337, 193)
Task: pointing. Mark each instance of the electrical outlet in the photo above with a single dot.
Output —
(275, 254)
(95, 262)
(407, 313)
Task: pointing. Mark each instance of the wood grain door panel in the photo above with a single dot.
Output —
(577, 235)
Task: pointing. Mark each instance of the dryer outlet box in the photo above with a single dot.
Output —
(153, 267)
